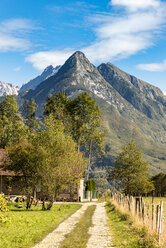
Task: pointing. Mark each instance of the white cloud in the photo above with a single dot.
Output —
(118, 34)
(11, 43)
(133, 5)
(154, 67)
(12, 35)
(41, 60)
(18, 24)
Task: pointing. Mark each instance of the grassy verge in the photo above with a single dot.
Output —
(125, 234)
(23, 229)
(79, 236)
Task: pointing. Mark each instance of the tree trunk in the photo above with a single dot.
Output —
(89, 160)
(34, 194)
(51, 203)
(43, 205)
(28, 201)
(90, 195)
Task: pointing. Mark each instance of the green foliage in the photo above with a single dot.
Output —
(46, 154)
(49, 160)
(90, 185)
(11, 125)
(86, 117)
(82, 119)
(63, 164)
(59, 106)
(29, 111)
(131, 171)
(159, 181)
(3, 204)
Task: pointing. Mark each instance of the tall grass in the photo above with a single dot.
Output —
(147, 222)
(126, 231)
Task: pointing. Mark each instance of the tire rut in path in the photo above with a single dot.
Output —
(100, 233)
(54, 239)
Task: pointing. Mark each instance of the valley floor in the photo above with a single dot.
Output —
(86, 225)
(94, 234)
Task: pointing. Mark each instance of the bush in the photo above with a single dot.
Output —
(3, 204)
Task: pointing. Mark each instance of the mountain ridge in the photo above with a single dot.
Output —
(8, 89)
(122, 116)
(33, 83)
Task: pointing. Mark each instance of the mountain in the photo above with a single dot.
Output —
(144, 97)
(75, 76)
(8, 89)
(132, 109)
(32, 84)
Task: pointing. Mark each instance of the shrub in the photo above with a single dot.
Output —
(3, 204)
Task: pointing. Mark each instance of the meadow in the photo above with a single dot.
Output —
(156, 201)
(20, 228)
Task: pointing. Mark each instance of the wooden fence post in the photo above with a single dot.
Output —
(153, 211)
(143, 211)
(160, 221)
(157, 218)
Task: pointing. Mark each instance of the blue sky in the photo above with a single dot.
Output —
(129, 33)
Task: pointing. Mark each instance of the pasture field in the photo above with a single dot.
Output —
(20, 228)
(156, 201)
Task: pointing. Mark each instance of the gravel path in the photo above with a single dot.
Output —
(99, 231)
(54, 239)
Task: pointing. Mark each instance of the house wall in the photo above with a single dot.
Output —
(7, 188)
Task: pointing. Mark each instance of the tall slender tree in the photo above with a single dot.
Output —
(29, 111)
(131, 171)
(11, 123)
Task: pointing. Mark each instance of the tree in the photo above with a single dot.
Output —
(29, 111)
(59, 106)
(131, 171)
(25, 160)
(48, 159)
(11, 124)
(90, 186)
(82, 119)
(86, 116)
(94, 148)
(159, 181)
(64, 165)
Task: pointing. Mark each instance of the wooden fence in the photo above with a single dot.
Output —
(149, 213)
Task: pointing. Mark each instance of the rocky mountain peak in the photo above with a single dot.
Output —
(8, 89)
(143, 96)
(48, 72)
(48, 68)
(77, 63)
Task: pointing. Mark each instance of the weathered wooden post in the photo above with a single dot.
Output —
(136, 205)
(153, 211)
(148, 212)
(143, 211)
(132, 204)
(160, 221)
(140, 206)
(128, 203)
(157, 218)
